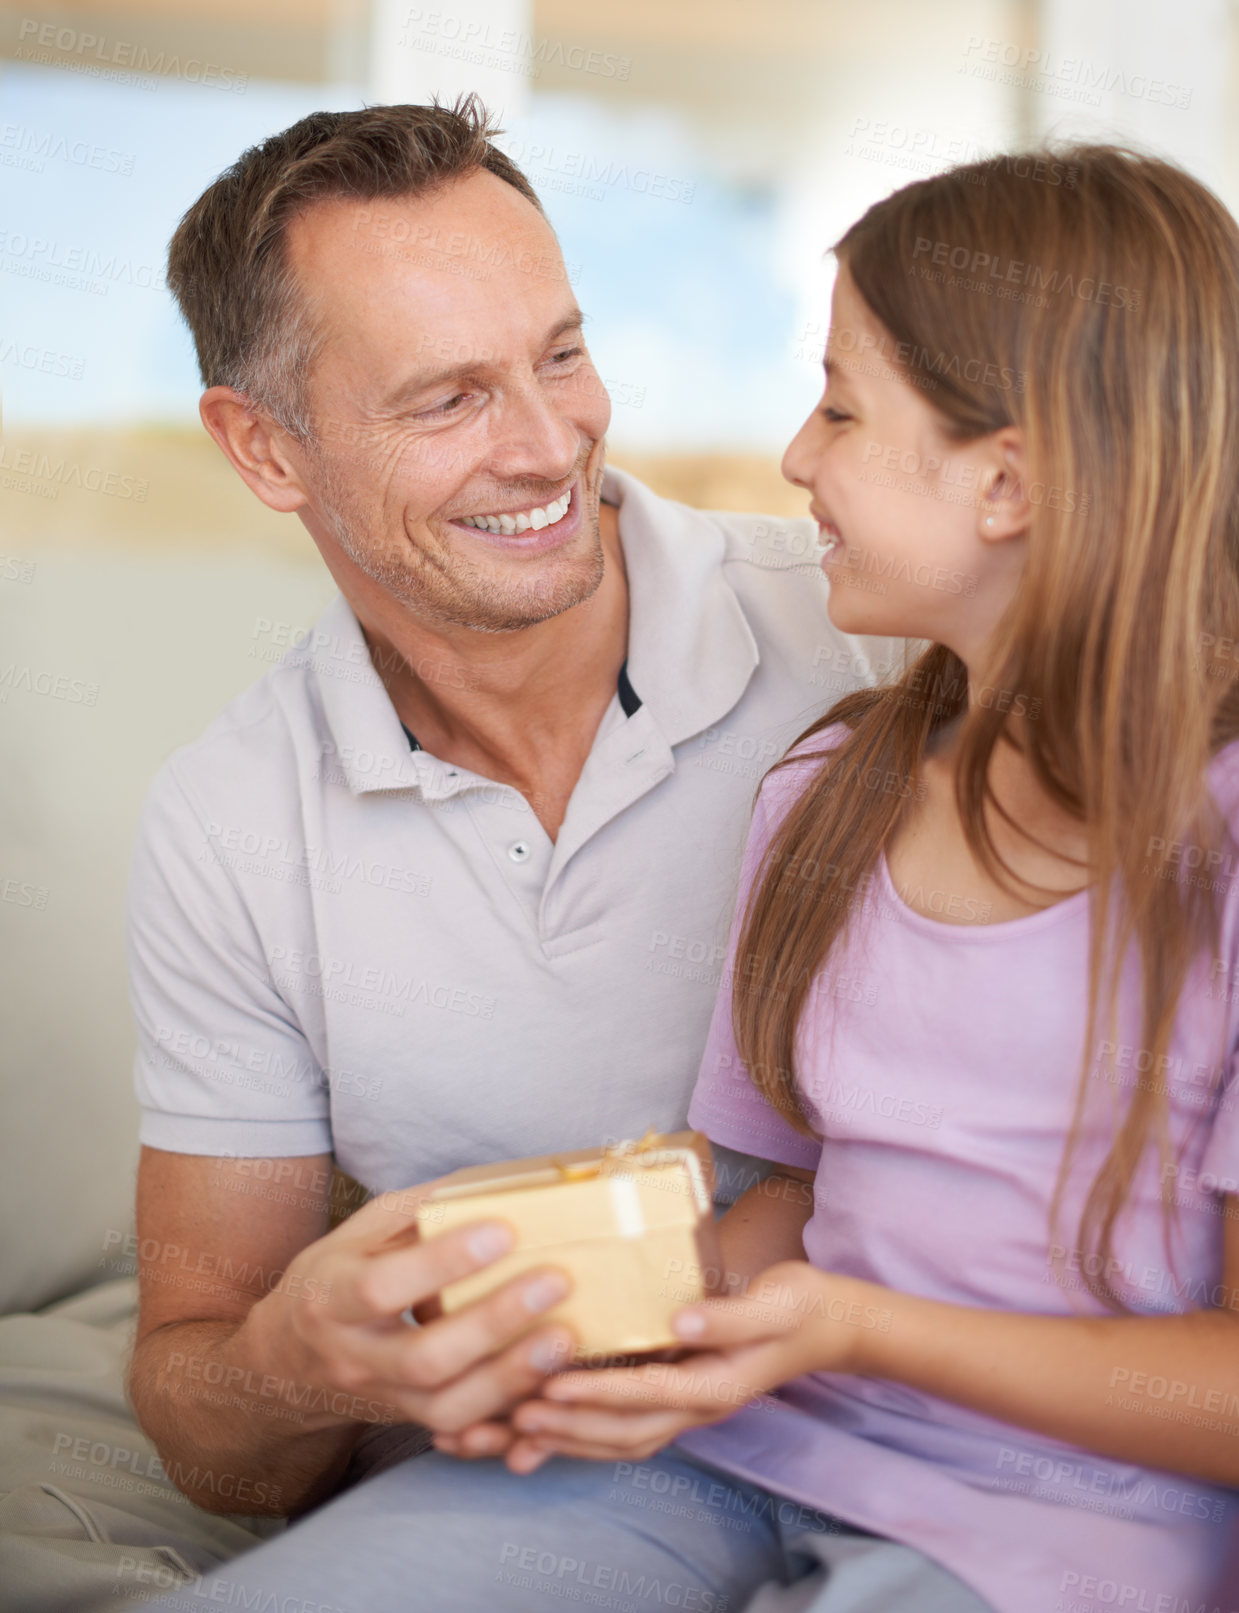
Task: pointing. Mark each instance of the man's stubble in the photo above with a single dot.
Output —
(444, 586)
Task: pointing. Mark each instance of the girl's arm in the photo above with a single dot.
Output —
(1160, 1391)
(765, 1224)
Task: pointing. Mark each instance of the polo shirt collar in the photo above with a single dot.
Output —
(364, 740)
(691, 651)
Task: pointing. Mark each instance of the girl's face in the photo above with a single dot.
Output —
(925, 535)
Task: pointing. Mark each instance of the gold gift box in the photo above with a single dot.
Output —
(632, 1224)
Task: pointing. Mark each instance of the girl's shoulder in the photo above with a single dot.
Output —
(1223, 776)
(790, 776)
(808, 754)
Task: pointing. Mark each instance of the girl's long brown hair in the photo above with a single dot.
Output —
(1089, 297)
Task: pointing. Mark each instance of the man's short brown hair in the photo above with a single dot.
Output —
(227, 262)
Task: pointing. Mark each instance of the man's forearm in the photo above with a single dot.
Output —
(234, 1432)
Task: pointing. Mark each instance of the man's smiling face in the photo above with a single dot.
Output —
(458, 420)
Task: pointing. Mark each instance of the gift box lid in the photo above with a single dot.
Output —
(625, 1189)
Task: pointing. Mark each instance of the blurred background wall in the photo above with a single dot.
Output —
(697, 157)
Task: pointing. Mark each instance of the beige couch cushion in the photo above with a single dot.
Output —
(158, 640)
(86, 1515)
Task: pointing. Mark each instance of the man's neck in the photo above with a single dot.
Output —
(521, 708)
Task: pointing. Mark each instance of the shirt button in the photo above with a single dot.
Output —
(518, 851)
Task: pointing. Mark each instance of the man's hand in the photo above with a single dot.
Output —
(336, 1319)
(246, 1288)
(764, 1227)
(792, 1319)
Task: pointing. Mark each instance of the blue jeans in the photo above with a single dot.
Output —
(434, 1533)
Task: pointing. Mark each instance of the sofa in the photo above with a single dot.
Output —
(152, 643)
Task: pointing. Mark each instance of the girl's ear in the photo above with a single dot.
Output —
(1004, 509)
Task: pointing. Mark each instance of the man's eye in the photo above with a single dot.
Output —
(566, 355)
(834, 415)
(448, 405)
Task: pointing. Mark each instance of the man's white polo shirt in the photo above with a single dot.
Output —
(338, 943)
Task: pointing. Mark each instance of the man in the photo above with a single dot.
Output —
(452, 882)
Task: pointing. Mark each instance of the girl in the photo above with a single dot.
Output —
(983, 982)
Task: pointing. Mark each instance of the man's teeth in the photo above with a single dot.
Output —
(527, 520)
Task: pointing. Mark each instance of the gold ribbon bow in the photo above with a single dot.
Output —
(583, 1170)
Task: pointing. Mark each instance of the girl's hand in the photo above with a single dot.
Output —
(792, 1319)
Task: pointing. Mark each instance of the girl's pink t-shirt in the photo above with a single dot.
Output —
(940, 1063)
